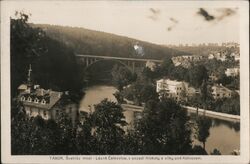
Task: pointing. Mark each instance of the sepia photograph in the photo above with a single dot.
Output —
(124, 81)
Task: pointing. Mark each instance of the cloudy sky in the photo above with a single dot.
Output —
(156, 22)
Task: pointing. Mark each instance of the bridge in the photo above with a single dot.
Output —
(132, 63)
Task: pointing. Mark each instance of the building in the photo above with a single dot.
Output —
(213, 77)
(151, 65)
(177, 90)
(210, 56)
(46, 103)
(219, 91)
(232, 72)
(220, 56)
(184, 61)
(235, 55)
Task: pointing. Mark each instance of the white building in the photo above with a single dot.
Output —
(219, 91)
(177, 90)
(151, 65)
(210, 56)
(232, 72)
(46, 103)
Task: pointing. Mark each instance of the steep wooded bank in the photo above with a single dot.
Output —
(92, 42)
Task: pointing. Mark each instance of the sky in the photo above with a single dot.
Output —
(156, 22)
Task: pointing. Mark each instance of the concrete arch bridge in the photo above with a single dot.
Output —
(131, 63)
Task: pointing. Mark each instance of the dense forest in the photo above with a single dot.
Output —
(54, 65)
(85, 41)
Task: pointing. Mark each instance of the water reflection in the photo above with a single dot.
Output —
(218, 122)
(224, 135)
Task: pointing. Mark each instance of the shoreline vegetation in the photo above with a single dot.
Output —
(207, 113)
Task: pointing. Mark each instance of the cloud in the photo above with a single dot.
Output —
(205, 14)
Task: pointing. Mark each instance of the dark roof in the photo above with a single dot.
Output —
(51, 98)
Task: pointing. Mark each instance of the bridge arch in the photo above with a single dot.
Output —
(112, 60)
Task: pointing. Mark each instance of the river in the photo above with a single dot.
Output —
(224, 135)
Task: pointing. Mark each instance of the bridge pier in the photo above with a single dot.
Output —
(87, 62)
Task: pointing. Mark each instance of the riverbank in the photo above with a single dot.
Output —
(220, 127)
(219, 115)
(222, 116)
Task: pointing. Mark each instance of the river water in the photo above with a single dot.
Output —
(224, 135)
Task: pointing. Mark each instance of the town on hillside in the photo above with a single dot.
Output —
(77, 90)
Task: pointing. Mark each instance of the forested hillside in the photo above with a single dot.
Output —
(54, 65)
(92, 42)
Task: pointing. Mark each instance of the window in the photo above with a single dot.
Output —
(22, 98)
(45, 113)
(29, 99)
(43, 101)
(36, 100)
(57, 112)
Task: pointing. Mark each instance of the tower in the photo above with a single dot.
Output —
(29, 78)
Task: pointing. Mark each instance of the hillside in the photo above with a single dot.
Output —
(205, 50)
(92, 42)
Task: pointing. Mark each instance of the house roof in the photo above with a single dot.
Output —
(169, 82)
(221, 87)
(23, 87)
(51, 99)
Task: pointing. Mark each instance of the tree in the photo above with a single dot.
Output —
(202, 132)
(121, 76)
(25, 46)
(33, 135)
(215, 152)
(84, 140)
(164, 129)
(19, 127)
(108, 122)
(179, 73)
(198, 150)
(140, 91)
(148, 73)
(197, 74)
(54, 65)
(166, 66)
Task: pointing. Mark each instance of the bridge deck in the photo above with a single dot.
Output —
(118, 58)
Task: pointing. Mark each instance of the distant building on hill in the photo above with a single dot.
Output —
(232, 72)
(186, 60)
(46, 103)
